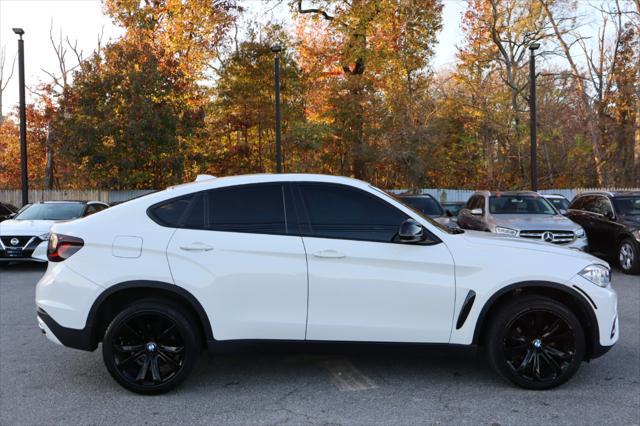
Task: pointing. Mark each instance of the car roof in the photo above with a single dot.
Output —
(611, 193)
(268, 177)
(416, 196)
(68, 202)
(506, 193)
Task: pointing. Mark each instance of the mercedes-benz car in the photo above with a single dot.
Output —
(24, 237)
(522, 214)
(312, 258)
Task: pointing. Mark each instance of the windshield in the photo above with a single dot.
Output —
(426, 205)
(519, 204)
(51, 211)
(559, 203)
(627, 206)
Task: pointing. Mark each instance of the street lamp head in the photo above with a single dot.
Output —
(534, 46)
(276, 48)
(18, 31)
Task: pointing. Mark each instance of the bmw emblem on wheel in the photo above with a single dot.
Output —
(14, 241)
(548, 237)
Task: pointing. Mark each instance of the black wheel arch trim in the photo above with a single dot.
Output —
(595, 344)
(85, 338)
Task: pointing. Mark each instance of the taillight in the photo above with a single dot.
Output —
(61, 247)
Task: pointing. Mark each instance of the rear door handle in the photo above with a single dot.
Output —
(329, 254)
(197, 246)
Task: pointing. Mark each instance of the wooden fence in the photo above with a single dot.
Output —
(14, 196)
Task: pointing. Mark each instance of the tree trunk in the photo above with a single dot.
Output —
(48, 170)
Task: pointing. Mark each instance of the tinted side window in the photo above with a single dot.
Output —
(577, 203)
(253, 208)
(337, 211)
(91, 209)
(602, 205)
(589, 203)
(470, 202)
(170, 212)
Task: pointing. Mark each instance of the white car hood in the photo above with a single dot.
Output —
(490, 238)
(26, 227)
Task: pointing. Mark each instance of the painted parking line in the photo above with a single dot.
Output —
(347, 377)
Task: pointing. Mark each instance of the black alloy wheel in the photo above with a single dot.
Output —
(150, 347)
(536, 342)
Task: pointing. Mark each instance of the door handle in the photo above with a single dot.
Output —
(329, 254)
(197, 246)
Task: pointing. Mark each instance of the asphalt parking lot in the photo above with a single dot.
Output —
(42, 383)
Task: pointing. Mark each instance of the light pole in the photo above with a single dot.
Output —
(533, 119)
(277, 49)
(23, 117)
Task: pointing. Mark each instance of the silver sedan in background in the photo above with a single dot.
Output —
(523, 214)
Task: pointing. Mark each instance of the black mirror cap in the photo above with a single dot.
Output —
(411, 231)
(609, 215)
(448, 213)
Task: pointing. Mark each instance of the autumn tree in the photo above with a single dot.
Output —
(241, 116)
(374, 45)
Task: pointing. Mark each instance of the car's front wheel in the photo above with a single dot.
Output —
(535, 342)
(151, 346)
(628, 257)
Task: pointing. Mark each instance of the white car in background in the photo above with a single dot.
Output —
(24, 237)
(558, 201)
(298, 257)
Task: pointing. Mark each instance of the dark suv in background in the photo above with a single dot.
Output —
(612, 223)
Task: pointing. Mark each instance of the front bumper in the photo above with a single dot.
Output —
(604, 304)
(34, 251)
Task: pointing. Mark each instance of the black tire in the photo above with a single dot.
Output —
(153, 340)
(628, 256)
(531, 331)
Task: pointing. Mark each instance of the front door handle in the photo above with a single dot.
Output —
(197, 246)
(329, 254)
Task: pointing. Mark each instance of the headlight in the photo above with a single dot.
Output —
(597, 274)
(507, 231)
(636, 234)
(580, 233)
(44, 237)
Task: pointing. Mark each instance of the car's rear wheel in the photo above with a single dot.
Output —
(535, 342)
(628, 257)
(151, 346)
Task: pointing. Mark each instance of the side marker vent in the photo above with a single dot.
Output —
(466, 308)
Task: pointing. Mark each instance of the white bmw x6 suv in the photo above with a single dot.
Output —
(312, 258)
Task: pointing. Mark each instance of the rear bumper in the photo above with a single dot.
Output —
(70, 337)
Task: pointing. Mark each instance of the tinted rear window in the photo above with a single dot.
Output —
(170, 213)
(253, 208)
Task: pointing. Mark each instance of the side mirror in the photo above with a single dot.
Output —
(562, 211)
(476, 212)
(448, 213)
(12, 215)
(410, 232)
(609, 215)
